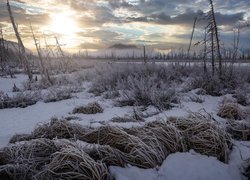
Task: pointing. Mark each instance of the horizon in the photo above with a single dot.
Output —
(98, 24)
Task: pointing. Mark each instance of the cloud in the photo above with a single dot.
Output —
(105, 22)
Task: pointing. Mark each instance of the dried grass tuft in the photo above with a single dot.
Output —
(168, 135)
(56, 128)
(108, 155)
(62, 129)
(112, 136)
(144, 147)
(92, 108)
(204, 136)
(247, 171)
(73, 163)
(26, 160)
(232, 111)
(4, 157)
(239, 130)
(141, 154)
(20, 137)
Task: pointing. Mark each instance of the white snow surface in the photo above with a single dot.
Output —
(181, 166)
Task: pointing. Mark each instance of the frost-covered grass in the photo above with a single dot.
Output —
(19, 100)
(159, 85)
(91, 108)
(144, 147)
(140, 134)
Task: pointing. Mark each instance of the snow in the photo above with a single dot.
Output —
(24, 120)
(6, 84)
(178, 166)
(181, 166)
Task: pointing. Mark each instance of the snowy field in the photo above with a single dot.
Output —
(177, 166)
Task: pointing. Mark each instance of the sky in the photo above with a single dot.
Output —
(98, 24)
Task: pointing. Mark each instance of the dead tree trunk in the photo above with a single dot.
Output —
(61, 53)
(23, 55)
(144, 54)
(237, 44)
(2, 51)
(191, 39)
(205, 51)
(43, 71)
(212, 51)
(215, 33)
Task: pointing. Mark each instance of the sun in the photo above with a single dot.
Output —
(63, 24)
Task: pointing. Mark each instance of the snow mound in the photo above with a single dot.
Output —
(181, 166)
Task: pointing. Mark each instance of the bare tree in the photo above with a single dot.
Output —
(23, 55)
(205, 50)
(214, 37)
(2, 58)
(191, 39)
(43, 70)
(65, 62)
(144, 54)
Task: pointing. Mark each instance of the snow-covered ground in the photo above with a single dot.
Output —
(178, 166)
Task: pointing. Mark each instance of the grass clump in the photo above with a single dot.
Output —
(242, 96)
(108, 155)
(91, 108)
(232, 111)
(239, 130)
(204, 136)
(67, 157)
(73, 163)
(47, 159)
(56, 128)
(247, 170)
(26, 160)
(141, 154)
(57, 94)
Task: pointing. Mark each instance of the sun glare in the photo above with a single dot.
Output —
(63, 24)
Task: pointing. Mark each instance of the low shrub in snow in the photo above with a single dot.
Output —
(20, 100)
(91, 108)
(146, 91)
(57, 94)
(57, 81)
(138, 84)
(215, 85)
(37, 85)
(242, 95)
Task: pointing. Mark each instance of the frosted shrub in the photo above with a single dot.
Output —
(106, 77)
(217, 86)
(58, 94)
(20, 100)
(147, 91)
(137, 84)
